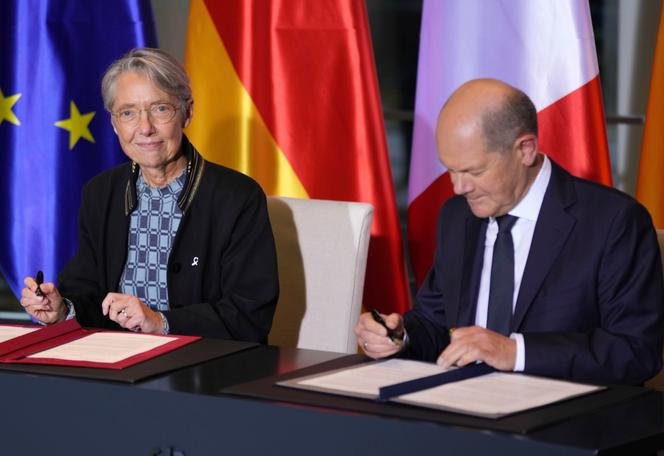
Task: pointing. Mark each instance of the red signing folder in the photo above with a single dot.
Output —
(67, 344)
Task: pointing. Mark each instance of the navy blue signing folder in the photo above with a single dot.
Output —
(398, 389)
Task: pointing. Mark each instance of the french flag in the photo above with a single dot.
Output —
(545, 48)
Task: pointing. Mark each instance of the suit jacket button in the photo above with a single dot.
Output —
(176, 267)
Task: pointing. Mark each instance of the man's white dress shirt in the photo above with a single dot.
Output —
(527, 211)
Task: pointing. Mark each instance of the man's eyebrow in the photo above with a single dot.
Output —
(467, 169)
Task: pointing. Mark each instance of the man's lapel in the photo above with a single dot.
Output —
(552, 229)
(473, 256)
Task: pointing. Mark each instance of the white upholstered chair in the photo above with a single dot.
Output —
(657, 382)
(322, 254)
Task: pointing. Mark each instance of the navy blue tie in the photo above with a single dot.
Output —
(501, 291)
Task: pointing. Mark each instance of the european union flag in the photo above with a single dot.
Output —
(54, 132)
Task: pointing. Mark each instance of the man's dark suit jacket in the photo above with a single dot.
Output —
(591, 301)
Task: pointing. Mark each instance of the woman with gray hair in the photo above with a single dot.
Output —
(168, 242)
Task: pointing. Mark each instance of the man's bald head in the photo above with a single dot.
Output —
(487, 139)
(499, 111)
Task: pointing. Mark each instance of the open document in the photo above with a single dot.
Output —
(492, 395)
(8, 332)
(68, 344)
(104, 347)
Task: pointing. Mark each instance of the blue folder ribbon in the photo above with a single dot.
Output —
(411, 386)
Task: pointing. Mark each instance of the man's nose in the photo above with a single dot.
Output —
(461, 183)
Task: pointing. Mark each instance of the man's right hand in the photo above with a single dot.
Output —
(372, 336)
(49, 308)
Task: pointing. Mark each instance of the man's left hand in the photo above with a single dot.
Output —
(474, 343)
(132, 313)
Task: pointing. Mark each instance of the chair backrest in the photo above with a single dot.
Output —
(322, 254)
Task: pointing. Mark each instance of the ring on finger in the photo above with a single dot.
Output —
(365, 345)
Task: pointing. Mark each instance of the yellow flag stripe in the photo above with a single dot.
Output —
(650, 188)
(227, 128)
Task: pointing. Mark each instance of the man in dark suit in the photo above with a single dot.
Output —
(535, 270)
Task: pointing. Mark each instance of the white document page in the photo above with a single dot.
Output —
(104, 347)
(497, 394)
(492, 395)
(9, 332)
(367, 379)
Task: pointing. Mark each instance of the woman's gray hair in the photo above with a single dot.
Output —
(162, 69)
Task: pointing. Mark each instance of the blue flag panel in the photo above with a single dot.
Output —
(54, 131)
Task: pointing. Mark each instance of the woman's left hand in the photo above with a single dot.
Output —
(132, 313)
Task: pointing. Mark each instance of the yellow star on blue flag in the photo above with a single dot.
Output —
(6, 104)
(77, 125)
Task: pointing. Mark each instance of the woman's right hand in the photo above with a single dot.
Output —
(49, 308)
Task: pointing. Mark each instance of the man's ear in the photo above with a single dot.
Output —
(526, 145)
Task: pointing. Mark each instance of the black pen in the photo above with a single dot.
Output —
(394, 337)
(39, 279)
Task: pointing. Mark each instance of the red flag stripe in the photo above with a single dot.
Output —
(422, 226)
(573, 133)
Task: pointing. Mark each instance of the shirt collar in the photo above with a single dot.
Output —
(173, 188)
(530, 204)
